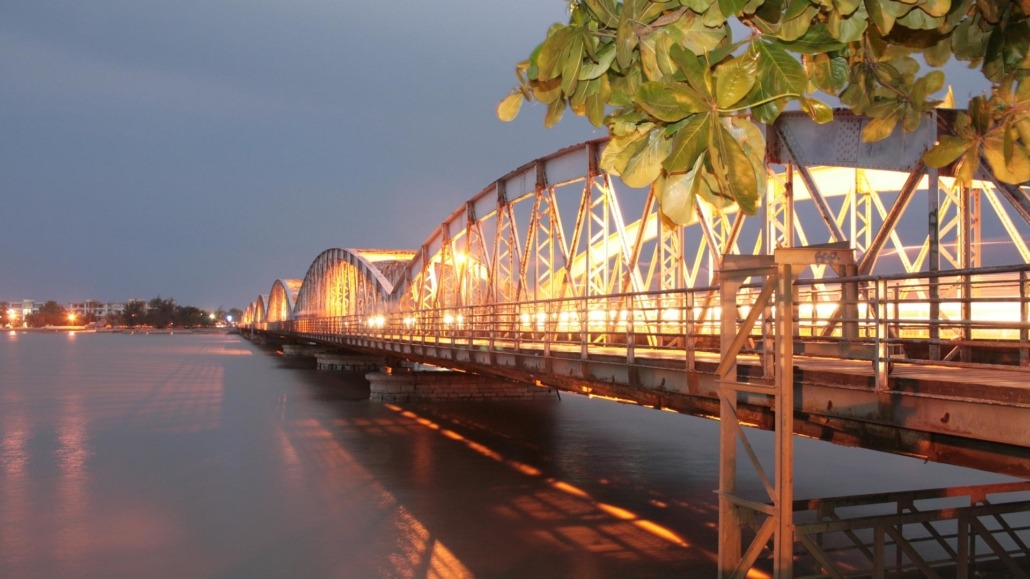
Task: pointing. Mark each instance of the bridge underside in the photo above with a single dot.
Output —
(967, 425)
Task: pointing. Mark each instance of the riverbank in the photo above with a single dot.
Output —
(87, 330)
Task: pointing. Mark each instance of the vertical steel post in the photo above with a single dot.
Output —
(882, 337)
(934, 261)
(689, 329)
(729, 517)
(1024, 317)
(783, 541)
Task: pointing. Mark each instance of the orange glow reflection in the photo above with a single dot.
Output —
(618, 513)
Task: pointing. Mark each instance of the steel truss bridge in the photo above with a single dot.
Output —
(908, 327)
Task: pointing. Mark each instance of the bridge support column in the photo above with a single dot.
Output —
(449, 386)
(297, 350)
(349, 362)
(773, 520)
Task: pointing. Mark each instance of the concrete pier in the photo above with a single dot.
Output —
(449, 386)
(301, 350)
(349, 362)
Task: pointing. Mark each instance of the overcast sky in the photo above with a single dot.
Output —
(199, 150)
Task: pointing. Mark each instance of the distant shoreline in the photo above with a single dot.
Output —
(85, 330)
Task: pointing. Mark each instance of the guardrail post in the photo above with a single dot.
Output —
(882, 336)
(689, 329)
(630, 338)
(964, 544)
(584, 329)
(849, 295)
(548, 325)
(1024, 317)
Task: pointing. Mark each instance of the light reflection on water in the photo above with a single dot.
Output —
(203, 456)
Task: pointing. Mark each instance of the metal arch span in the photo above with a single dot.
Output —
(259, 312)
(557, 227)
(342, 282)
(281, 299)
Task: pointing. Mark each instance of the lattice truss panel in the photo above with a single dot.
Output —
(559, 227)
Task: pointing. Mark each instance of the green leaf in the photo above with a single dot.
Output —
(572, 59)
(698, 6)
(883, 19)
(648, 59)
(663, 43)
(980, 115)
(577, 102)
(697, 37)
(624, 86)
(547, 91)
(936, 8)
(919, 20)
(750, 137)
(1013, 168)
(969, 41)
(687, 145)
(848, 28)
(770, 11)
(596, 102)
(1023, 92)
(880, 128)
(677, 194)
(829, 74)
(714, 16)
(604, 11)
(926, 86)
(621, 148)
(645, 165)
(732, 168)
(593, 69)
(694, 68)
(947, 149)
(967, 165)
(734, 79)
(797, 27)
(817, 40)
(731, 7)
(549, 59)
(939, 54)
(625, 39)
(846, 7)
(509, 107)
(817, 110)
(669, 101)
(554, 113)
(778, 71)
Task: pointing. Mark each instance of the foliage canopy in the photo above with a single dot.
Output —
(681, 98)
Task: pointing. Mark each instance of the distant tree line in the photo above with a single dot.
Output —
(164, 313)
(156, 313)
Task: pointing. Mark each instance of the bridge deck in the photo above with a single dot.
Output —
(970, 416)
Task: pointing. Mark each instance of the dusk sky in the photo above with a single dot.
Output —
(200, 150)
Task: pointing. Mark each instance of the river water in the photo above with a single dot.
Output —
(203, 455)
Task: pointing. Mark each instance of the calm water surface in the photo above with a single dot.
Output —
(193, 455)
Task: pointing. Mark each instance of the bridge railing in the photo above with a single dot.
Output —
(973, 317)
(978, 317)
(961, 529)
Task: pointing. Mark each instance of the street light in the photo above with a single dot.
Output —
(71, 318)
